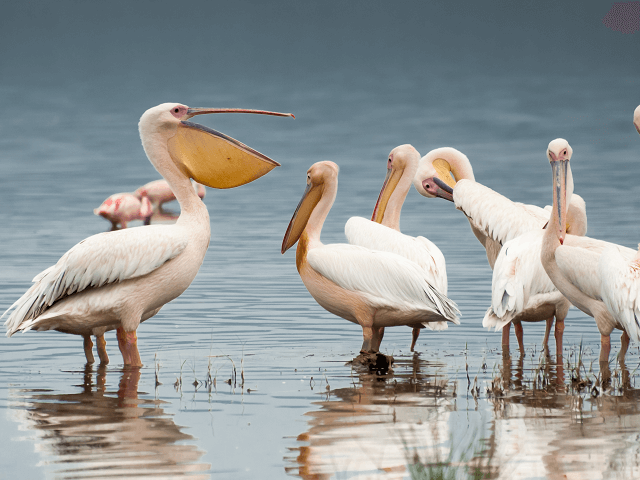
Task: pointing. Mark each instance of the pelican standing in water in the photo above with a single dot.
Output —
(382, 232)
(494, 220)
(372, 288)
(600, 278)
(121, 278)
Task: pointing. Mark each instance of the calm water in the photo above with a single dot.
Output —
(245, 375)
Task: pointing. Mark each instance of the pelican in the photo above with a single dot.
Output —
(121, 278)
(600, 278)
(121, 208)
(382, 232)
(372, 288)
(521, 291)
(636, 118)
(494, 219)
(159, 192)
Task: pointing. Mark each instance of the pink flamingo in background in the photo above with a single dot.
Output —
(159, 192)
(121, 208)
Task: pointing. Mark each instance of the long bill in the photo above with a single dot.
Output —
(443, 190)
(559, 169)
(215, 159)
(298, 223)
(388, 187)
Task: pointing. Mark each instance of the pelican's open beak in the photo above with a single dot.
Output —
(215, 159)
(442, 189)
(389, 185)
(559, 168)
(310, 198)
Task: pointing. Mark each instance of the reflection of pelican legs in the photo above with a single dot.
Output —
(128, 387)
(128, 343)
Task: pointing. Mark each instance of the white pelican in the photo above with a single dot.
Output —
(636, 118)
(121, 208)
(119, 279)
(372, 288)
(382, 232)
(521, 291)
(494, 219)
(575, 264)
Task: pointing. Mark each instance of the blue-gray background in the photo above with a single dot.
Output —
(497, 80)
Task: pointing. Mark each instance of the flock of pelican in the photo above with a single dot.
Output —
(541, 259)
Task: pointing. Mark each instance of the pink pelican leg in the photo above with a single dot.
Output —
(101, 345)
(88, 348)
(128, 343)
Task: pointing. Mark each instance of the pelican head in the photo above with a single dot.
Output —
(322, 177)
(205, 155)
(559, 153)
(403, 160)
(439, 170)
(636, 118)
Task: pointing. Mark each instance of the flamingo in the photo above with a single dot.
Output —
(121, 208)
(494, 219)
(372, 288)
(382, 232)
(118, 279)
(159, 192)
(600, 278)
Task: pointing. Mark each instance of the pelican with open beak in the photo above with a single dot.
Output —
(121, 278)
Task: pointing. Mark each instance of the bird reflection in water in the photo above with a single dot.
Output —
(552, 424)
(98, 432)
(382, 426)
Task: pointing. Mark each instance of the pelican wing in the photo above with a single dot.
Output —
(495, 215)
(387, 279)
(578, 260)
(620, 290)
(420, 250)
(518, 275)
(104, 258)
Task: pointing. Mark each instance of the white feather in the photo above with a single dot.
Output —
(495, 215)
(386, 279)
(101, 259)
(620, 287)
(518, 281)
(420, 250)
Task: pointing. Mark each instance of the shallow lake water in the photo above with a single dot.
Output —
(244, 375)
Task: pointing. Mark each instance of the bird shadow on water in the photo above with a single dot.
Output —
(106, 431)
